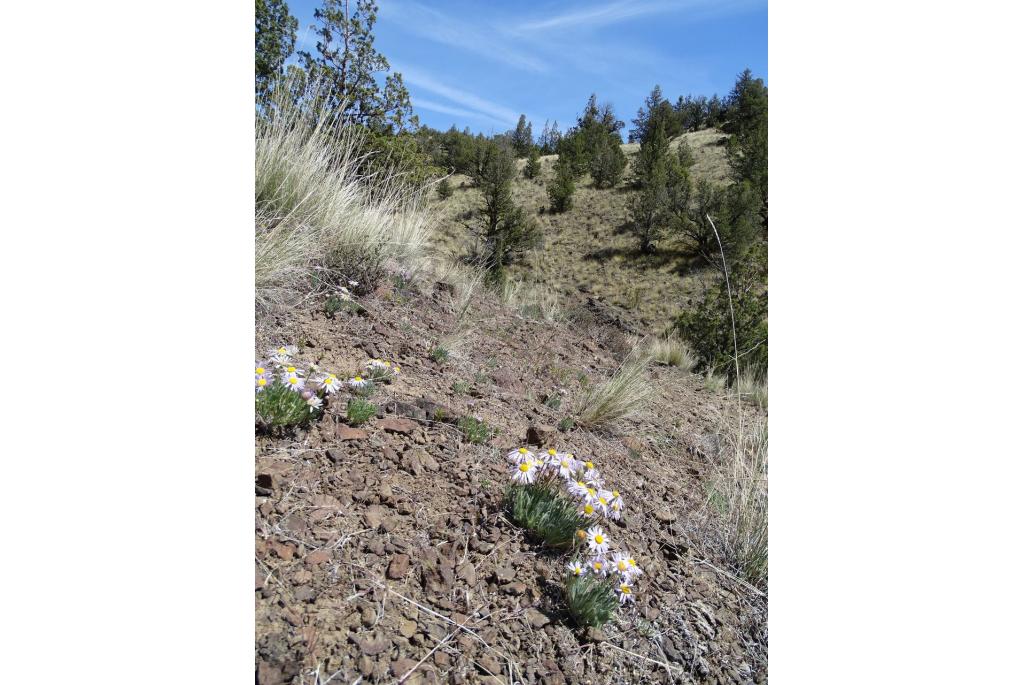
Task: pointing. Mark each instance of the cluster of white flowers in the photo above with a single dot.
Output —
(281, 368)
(583, 482)
(381, 369)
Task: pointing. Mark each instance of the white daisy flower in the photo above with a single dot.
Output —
(344, 293)
(284, 353)
(615, 506)
(634, 570)
(263, 377)
(289, 370)
(329, 383)
(377, 364)
(588, 510)
(598, 566)
(576, 568)
(261, 383)
(591, 496)
(566, 465)
(592, 476)
(358, 382)
(620, 562)
(588, 465)
(625, 592)
(598, 540)
(396, 369)
(525, 473)
(354, 284)
(604, 498)
(294, 382)
(577, 488)
(520, 455)
(314, 403)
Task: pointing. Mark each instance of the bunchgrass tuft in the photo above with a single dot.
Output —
(316, 215)
(714, 382)
(673, 352)
(475, 430)
(439, 354)
(359, 411)
(545, 514)
(279, 407)
(753, 389)
(623, 395)
(590, 600)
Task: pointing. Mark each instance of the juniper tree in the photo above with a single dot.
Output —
(347, 66)
(522, 137)
(532, 168)
(275, 40)
(608, 163)
(507, 232)
(748, 122)
(562, 186)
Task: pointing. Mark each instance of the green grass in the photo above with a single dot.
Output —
(439, 354)
(279, 407)
(359, 411)
(460, 387)
(590, 600)
(474, 430)
(545, 513)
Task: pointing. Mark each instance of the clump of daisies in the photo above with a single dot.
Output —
(341, 298)
(560, 497)
(382, 370)
(287, 395)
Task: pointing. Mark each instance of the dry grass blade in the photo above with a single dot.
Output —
(673, 352)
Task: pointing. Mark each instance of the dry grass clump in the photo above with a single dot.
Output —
(753, 389)
(673, 352)
(739, 493)
(317, 220)
(624, 394)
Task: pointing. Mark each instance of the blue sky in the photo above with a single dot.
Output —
(481, 64)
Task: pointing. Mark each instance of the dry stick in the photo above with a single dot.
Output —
(732, 317)
(427, 656)
(664, 665)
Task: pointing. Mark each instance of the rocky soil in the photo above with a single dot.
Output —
(382, 552)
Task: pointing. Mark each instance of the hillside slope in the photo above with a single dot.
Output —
(384, 549)
(589, 250)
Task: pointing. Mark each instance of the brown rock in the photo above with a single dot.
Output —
(504, 574)
(490, 665)
(516, 588)
(395, 425)
(365, 665)
(632, 444)
(318, 557)
(349, 433)
(664, 516)
(536, 618)
(371, 645)
(398, 567)
(540, 435)
(402, 666)
(407, 628)
(373, 516)
(260, 579)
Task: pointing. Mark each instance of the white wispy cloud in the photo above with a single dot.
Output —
(423, 103)
(494, 111)
(481, 39)
(610, 13)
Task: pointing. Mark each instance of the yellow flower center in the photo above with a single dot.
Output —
(597, 565)
(590, 464)
(328, 380)
(387, 363)
(632, 563)
(522, 450)
(602, 500)
(293, 380)
(565, 464)
(622, 566)
(291, 369)
(261, 382)
(577, 570)
(625, 589)
(281, 350)
(524, 467)
(615, 493)
(599, 539)
(581, 534)
(358, 379)
(591, 491)
(260, 370)
(551, 452)
(616, 506)
(588, 509)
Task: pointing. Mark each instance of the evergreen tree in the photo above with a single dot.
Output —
(347, 66)
(275, 40)
(507, 232)
(532, 168)
(444, 189)
(608, 163)
(522, 137)
(748, 122)
(562, 186)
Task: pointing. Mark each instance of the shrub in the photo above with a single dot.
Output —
(460, 387)
(561, 187)
(444, 189)
(359, 411)
(545, 514)
(566, 424)
(608, 164)
(474, 430)
(709, 326)
(622, 395)
(590, 600)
